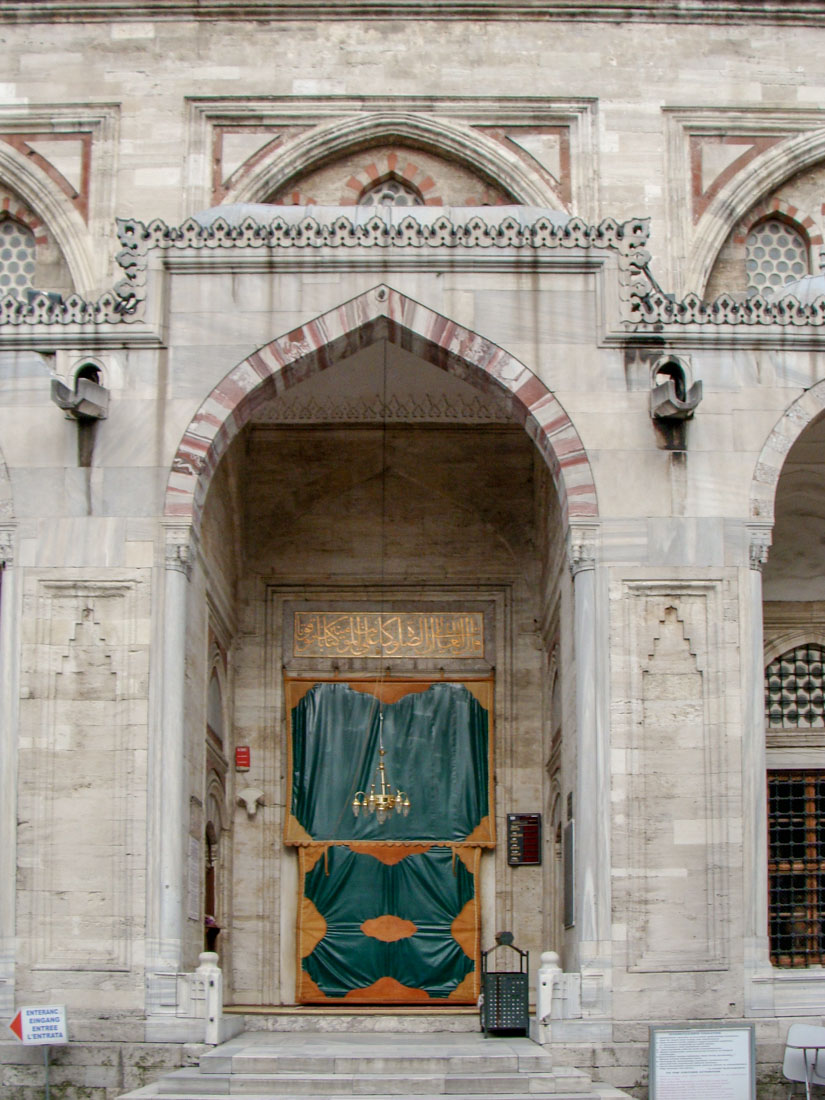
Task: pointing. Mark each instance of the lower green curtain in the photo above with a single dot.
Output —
(406, 931)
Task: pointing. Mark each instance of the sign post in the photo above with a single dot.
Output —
(41, 1025)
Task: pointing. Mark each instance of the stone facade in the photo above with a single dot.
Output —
(373, 308)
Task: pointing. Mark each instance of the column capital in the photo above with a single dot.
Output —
(179, 548)
(582, 546)
(760, 536)
(6, 547)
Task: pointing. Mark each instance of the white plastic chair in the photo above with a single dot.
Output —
(805, 1056)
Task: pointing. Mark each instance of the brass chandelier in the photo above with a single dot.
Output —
(382, 798)
(383, 801)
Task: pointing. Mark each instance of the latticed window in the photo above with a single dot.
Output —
(16, 256)
(795, 689)
(390, 192)
(796, 867)
(775, 254)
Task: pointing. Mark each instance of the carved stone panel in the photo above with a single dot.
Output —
(83, 719)
(675, 842)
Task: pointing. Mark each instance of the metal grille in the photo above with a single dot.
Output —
(795, 689)
(390, 193)
(16, 256)
(796, 867)
(775, 253)
(505, 1001)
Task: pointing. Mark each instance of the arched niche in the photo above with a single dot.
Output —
(748, 188)
(381, 313)
(55, 210)
(490, 161)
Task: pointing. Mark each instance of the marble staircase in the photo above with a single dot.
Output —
(322, 1065)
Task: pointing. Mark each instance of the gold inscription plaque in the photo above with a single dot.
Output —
(388, 634)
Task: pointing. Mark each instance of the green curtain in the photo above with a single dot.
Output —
(436, 744)
(428, 889)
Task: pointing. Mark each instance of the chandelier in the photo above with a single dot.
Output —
(383, 801)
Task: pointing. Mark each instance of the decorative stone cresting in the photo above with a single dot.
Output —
(785, 433)
(139, 239)
(380, 313)
(649, 307)
(649, 312)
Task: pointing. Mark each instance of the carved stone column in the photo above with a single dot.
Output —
(9, 696)
(592, 801)
(167, 770)
(754, 802)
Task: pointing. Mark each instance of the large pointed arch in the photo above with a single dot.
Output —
(784, 434)
(489, 159)
(756, 181)
(380, 313)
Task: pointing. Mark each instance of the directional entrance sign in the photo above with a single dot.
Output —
(40, 1025)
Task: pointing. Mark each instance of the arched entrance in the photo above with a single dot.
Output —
(382, 499)
(794, 684)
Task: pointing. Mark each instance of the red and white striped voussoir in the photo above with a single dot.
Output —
(783, 435)
(297, 355)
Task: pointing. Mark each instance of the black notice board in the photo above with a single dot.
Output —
(524, 840)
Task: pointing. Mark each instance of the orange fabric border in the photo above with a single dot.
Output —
(388, 928)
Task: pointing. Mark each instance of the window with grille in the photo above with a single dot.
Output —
(795, 689)
(775, 254)
(17, 262)
(796, 867)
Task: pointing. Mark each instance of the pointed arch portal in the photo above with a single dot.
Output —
(380, 313)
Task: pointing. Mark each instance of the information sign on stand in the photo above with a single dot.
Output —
(695, 1063)
(41, 1025)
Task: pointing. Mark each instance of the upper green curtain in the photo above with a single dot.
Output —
(436, 744)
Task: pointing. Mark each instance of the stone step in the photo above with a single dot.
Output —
(311, 1065)
(377, 1054)
(365, 1064)
(364, 1021)
(190, 1082)
(595, 1093)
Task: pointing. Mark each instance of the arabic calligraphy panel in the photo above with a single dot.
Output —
(388, 634)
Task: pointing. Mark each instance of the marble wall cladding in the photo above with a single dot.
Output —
(677, 818)
(83, 730)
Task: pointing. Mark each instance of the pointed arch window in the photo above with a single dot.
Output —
(776, 253)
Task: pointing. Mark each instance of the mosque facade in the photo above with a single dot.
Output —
(426, 395)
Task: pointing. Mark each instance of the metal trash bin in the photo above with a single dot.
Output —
(505, 996)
